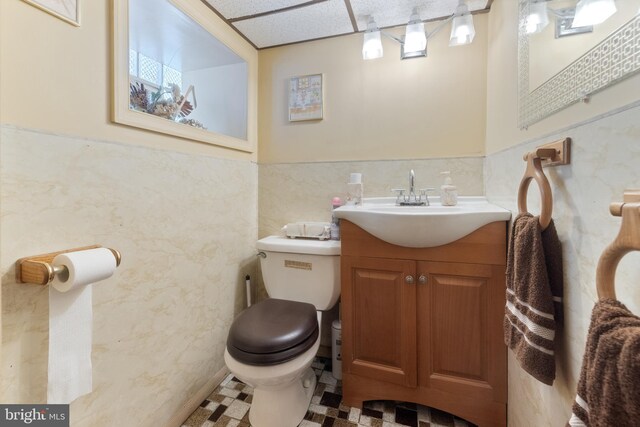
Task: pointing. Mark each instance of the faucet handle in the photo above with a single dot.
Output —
(423, 192)
(400, 195)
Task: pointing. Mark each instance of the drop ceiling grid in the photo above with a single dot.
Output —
(324, 19)
(231, 9)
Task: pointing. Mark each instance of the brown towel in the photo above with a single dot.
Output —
(553, 260)
(534, 277)
(609, 385)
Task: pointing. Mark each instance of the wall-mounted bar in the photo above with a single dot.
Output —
(39, 270)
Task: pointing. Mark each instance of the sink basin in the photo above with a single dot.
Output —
(422, 226)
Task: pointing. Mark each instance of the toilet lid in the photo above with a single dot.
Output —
(273, 331)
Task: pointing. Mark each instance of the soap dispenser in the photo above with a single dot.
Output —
(448, 191)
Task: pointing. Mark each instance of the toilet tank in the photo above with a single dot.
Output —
(301, 270)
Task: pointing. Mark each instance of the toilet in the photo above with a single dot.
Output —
(272, 344)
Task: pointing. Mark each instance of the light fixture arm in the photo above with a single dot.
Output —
(398, 39)
(427, 34)
(441, 26)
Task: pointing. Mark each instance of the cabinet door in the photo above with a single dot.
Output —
(379, 319)
(460, 344)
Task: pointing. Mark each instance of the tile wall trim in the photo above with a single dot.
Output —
(416, 159)
(12, 127)
(555, 132)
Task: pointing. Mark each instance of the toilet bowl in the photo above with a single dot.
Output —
(282, 392)
(272, 344)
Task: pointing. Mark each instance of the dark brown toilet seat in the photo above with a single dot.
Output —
(273, 331)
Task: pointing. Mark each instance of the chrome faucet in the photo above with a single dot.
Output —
(412, 199)
(412, 178)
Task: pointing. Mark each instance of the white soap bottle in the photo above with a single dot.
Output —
(448, 191)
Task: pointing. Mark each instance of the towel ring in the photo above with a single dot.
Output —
(627, 240)
(534, 171)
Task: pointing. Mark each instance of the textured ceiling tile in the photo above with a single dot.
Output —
(306, 23)
(391, 13)
(237, 8)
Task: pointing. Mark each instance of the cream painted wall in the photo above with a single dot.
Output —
(502, 87)
(379, 109)
(57, 77)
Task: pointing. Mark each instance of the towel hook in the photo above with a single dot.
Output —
(552, 154)
(534, 171)
(627, 240)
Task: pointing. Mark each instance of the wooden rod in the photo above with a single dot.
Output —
(39, 270)
(627, 240)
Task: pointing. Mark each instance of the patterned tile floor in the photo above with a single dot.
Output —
(228, 406)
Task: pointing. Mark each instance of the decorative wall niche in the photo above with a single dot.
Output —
(178, 70)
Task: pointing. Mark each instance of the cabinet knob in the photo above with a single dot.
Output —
(409, 280)
(422, 279)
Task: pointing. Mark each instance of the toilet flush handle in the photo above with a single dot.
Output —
(261, 254)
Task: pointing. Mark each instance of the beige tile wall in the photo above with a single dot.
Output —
(186, 227)
(605, 157)
(290, 192)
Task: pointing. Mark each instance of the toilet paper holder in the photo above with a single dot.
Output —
(39, 270)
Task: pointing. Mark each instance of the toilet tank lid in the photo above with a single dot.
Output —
(299, 246)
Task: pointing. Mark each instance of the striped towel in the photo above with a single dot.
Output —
(609, 385)
(534, 296)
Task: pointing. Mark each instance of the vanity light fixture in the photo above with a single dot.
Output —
(415, 38)
(372, 45)
(593, 12)
(538, 18)
(414, 42)
(462, 29)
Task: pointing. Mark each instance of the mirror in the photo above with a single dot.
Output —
(560, 65)
(178, 71)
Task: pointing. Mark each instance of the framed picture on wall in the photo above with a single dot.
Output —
(305, 98)
(67, 10)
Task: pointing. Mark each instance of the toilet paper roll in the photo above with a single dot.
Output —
(83, 268)
(71, 322)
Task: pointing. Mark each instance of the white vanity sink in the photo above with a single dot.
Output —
(422, 226)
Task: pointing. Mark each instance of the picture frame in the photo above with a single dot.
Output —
(306, 98)
(66, 10)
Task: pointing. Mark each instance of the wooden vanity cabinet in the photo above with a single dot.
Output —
(424, 325)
